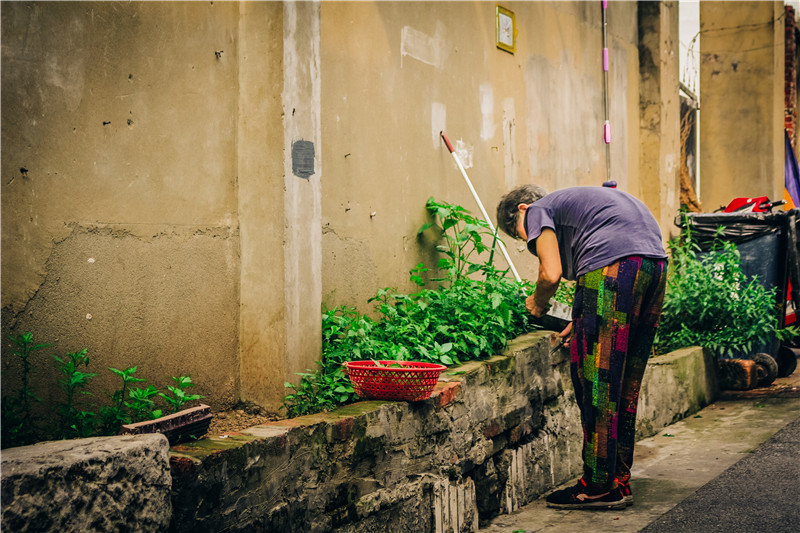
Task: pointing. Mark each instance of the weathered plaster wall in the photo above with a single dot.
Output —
(119, 176)
(302, 192)
(742, 82)
(659, 163)
(262, 215)
(159, 193)
(394, 74)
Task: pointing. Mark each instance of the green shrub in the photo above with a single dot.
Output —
(473, 313)
(115, 415)
(709, 302)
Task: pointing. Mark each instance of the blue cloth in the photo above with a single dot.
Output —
(594, 226)
(791, 173)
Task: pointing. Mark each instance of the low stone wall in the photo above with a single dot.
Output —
(495, 435)
(97, 484)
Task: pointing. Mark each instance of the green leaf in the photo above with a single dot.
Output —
(473, 268)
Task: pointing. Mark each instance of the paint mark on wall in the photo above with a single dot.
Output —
(423, 47)
(303, 159)
(438, 123)
(509, 150)
(487, 111)
(464, 152)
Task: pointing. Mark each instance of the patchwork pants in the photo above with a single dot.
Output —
(615, 315)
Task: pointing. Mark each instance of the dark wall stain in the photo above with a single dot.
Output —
(303, 159)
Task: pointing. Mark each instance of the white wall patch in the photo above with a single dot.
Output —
(509, 150)
(438, 123)
(464, 152)
(487, 111)
(423, 47)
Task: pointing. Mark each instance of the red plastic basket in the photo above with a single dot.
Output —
(409, 381)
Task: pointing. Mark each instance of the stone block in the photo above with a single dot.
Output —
(674, 386)
(98, 484)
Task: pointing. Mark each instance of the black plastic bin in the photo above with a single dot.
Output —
(767, 244)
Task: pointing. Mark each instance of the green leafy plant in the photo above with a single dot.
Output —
(471, 314)
(709, 302)
(18, 425)
(317, 392)
(75, 422)
(462, 238)
(141, 404)
(179, 396)
(115, 415)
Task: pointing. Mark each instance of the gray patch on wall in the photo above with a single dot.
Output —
(303, 159)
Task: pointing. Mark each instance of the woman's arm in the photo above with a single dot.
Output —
(549, 272)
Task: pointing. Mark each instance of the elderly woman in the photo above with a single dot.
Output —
(609, 242)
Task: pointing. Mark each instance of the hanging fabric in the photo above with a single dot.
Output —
(791, 175)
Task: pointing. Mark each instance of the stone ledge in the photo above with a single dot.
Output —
(494, 435)
(97, 484)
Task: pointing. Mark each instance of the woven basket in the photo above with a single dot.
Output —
(404, 381)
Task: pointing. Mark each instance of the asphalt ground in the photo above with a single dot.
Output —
(733, 467)
(759, 493)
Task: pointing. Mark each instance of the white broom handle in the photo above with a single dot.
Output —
(480, 205)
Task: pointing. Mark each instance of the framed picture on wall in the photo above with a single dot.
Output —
(505, 29)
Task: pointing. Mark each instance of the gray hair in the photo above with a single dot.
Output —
(508, 207)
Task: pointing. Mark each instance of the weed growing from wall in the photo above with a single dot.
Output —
(78, 418)
(75, 422)
(18, 424)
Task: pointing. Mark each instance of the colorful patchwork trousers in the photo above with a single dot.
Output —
(615, 316)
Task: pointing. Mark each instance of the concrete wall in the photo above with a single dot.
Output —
(742, 101)
(151, 210)
(120, 235)
(162, 218)
(659, 162)
(99, 484)
(394, 74)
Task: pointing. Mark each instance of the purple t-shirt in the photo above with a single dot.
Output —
(594, 226)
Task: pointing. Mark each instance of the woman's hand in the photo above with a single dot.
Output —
(533, 308)
(563, 338)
